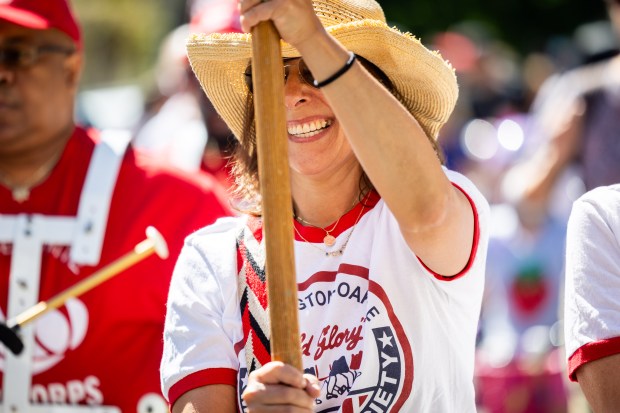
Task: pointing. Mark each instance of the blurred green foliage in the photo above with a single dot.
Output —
(524, 24)
(122, 36)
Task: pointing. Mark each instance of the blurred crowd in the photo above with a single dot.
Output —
(533, 132)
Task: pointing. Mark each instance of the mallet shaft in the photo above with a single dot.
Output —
(153, 243)
(140, 251)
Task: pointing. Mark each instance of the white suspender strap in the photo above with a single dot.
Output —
(28, 233)
(97, 196)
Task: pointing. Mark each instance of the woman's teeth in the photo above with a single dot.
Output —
(309, 129)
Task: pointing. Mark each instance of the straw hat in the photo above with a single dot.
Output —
(425, 81)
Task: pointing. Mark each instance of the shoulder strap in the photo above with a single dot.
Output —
(252, 289)
(96, 197)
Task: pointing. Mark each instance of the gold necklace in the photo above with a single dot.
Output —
(21, 192)
(329, 240)
(339, 251)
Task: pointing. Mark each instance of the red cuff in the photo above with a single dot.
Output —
(474, 247)
(201, 378)
(590, 352)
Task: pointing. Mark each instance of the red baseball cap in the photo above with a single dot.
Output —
(41, 15)
(215, 16)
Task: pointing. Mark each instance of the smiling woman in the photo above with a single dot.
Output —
(245, 167)
(389, 244)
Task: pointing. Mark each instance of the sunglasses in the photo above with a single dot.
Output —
(306, 76)
(23, 56)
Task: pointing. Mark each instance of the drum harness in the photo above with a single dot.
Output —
(84, 234)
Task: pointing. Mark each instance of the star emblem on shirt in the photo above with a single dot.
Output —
(386, 340)
(244, 381)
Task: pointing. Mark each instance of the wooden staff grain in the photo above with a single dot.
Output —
(272, 150)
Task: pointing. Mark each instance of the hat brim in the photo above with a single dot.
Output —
(425, 82)
(23, 18)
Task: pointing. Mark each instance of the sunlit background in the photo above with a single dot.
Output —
(505, 53)
(516, 44)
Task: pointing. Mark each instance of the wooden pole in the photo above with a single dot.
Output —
(273, 168)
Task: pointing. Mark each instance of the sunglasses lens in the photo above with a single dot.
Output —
(248, 78)
(305, 73)
(376, 72)
(11, 57)
(247, 75)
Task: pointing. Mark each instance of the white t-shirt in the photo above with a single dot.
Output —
(380, 331)
(592, 307)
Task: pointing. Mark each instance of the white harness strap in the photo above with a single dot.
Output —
(96, 197)
(28, 234)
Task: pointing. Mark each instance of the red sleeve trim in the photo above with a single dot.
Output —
(201, 378)
(591, 352)
(474, 247)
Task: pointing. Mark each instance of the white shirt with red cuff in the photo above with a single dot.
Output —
(378, 328)
(592, 307)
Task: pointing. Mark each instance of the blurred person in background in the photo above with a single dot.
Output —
(573, 133)
(592, 307)
(490, 93)
(519, 363)
(180, 124)
(72, 201)
(172, 127)
(577, 119)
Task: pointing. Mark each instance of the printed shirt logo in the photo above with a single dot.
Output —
(352, 341)
(56, 333)
(381, 396)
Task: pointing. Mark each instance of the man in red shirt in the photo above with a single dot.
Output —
(72, 201)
